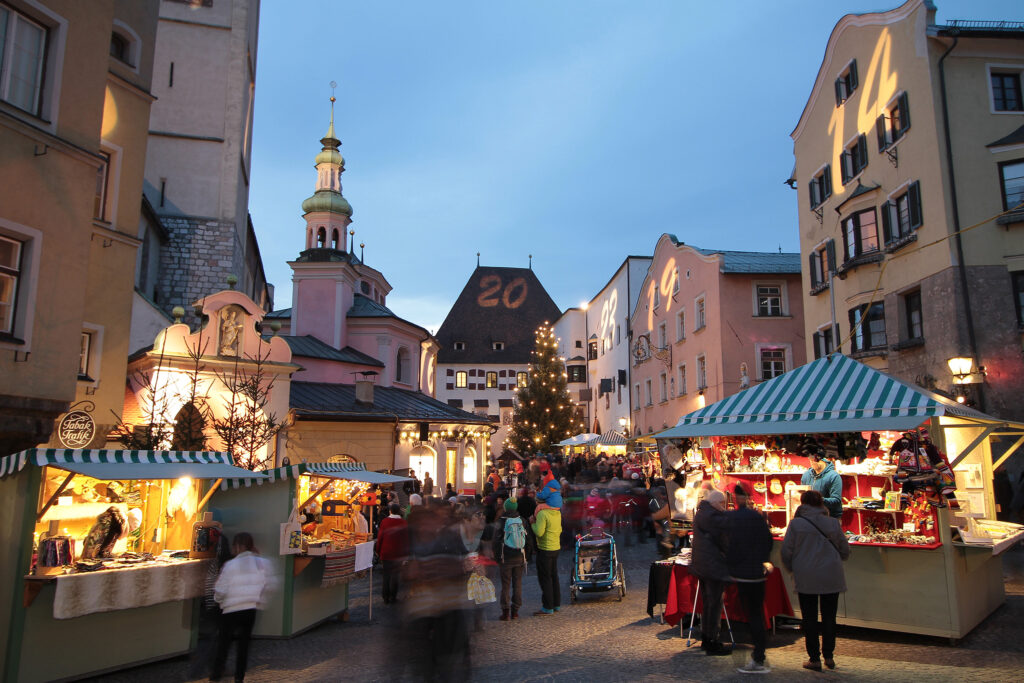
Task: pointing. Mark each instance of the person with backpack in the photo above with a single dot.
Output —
(509, 549)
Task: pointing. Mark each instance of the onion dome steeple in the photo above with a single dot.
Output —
(329, 167)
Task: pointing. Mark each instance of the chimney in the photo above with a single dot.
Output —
(364, 387)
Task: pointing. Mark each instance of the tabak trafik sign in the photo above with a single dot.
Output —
(76, 429)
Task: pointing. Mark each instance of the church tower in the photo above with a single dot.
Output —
(326, 275)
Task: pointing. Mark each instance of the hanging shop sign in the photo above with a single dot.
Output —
(76, 429)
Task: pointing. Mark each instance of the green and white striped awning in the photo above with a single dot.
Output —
(122, 464)
(355, 471)
(832, 394)
(612, 438)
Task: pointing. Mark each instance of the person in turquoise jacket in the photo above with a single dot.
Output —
(822, 477)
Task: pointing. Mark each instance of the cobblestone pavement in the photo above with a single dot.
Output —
(601, 639)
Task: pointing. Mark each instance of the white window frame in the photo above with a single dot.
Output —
(93, 363)
(28, 283)
(1003, 68)
(464, 376)
(663, 387)
(700, 309)
(822, 329)
(522, 379)
(648, 389)
(56, 28)
(662, 335)
(638, 395)
(783, 298)
(787, 349)
(681, 370)
(681, 325)
(702, 372)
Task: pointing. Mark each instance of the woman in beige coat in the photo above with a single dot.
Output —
(814, 550)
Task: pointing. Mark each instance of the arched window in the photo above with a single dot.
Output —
(403, 370)
(321, 237)
(334, 239)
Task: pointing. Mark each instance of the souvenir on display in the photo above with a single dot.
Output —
(773, 463)
(776, 486)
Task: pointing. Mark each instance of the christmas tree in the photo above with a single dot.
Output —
(544, 412)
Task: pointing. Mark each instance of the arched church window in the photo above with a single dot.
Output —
(321, 237)
(334, 239)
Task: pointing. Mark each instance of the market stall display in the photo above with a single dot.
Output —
(305, 519)
(904, 456)
(101, 547)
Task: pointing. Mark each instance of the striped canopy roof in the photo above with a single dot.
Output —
(612, 438)
(123, 464)
(583, 439)
(337, 470)
(831, 394)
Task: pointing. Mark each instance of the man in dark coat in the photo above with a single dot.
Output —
(750, 545)
(708, 565)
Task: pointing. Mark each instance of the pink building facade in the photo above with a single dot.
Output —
(708, 324)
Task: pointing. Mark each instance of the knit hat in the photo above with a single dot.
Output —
(511, 505)
(740, 490)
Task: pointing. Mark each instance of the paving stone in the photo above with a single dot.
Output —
(600, 639)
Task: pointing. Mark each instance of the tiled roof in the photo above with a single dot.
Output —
(751, 261)
(365, 307)
(338, 401)
(308, 346)
(497, 305)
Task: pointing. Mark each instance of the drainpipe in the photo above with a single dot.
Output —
(971, 338)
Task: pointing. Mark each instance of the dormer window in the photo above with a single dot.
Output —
(364, 287)
(460, 346)
(498, 346)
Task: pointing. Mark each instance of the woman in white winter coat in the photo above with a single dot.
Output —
(242, 588)
(814, 550)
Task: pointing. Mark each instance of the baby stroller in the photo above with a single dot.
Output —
(596, 566)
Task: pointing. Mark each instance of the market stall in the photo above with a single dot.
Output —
(916, 471)
(303, 519)
(104, 553)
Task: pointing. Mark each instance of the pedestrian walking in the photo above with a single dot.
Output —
(708, 564)
(750, 545)
(428, 484)
(244, 586)
(547, 527)
(509, 549)
(392, 547)
(814, 550)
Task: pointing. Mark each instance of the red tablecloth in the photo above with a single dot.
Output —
(683, 585)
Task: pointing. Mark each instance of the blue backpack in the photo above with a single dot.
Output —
(515, 533)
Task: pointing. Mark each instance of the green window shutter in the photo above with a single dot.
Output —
(811, 260)
(862, 151)
(830, 253)
(915, 205)
(839, 91)
(853, 74)
(810, 193)
(904, 114)
(887, 222)
(817, 345)
(880, 132)
(827, 175)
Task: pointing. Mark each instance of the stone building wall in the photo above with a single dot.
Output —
(196, 261)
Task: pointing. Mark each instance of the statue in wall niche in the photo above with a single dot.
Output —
(744, 377)
(230, 331)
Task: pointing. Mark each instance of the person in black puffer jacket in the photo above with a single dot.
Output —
(750, 545)
(708, 565)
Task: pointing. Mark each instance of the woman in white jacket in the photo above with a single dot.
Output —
(242, 588)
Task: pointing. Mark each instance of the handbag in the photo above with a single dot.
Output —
(291, 536)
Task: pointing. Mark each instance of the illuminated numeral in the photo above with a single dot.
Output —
(512, 296)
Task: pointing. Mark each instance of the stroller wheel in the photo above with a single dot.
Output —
(572, 596)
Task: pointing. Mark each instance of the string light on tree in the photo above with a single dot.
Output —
(543, 414)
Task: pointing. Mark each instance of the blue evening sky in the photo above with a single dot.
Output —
(577, 131)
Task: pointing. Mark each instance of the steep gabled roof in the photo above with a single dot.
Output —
(308, 346)
(496, 305)
(338, 402)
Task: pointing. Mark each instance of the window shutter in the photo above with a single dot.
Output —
(887, 222)
(810, 193)
(830, 253)
(811, 261)
(853, 74)
(904, 114)
(915, 205)
(817, 345)
(880, 131)
(844, 166)
(827, 175)
(862, 152)
(839, 91)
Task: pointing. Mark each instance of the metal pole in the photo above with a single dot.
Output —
(832, 303)
(371, 566)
